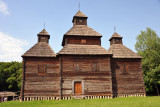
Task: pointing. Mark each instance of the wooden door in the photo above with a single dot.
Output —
(77, 88)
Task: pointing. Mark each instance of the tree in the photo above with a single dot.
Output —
(10, 76)
(148, 46)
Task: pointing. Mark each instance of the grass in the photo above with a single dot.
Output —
(153, 101)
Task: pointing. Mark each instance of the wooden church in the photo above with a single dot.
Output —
(82, 68)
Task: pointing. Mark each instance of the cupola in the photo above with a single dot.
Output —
(115, 39)
(43, 36)
(79, 18)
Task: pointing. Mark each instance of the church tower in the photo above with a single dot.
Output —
(80, 33)
(115, 39)
(43, 36)
(79, 19)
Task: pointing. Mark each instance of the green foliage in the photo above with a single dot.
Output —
(148, 46)
(116, 102)
(10, 76)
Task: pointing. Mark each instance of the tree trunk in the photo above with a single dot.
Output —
(157, 90)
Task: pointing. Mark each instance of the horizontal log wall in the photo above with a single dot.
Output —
(127, 77)
(42, 84)
(89, 40)
(93, 82)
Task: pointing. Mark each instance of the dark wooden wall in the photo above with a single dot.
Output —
(94, 82)
(78, 40)
(116, 41)
(80, 21)
(127, 77)
(42, 38)
(41, 83)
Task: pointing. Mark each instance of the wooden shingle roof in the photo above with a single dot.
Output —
(74, 49)
(115, 35)
(41, 49)
(82, 30)
(7, 93)
(43, 32)
(121, 51)
(80, 14)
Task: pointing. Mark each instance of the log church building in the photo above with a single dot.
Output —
(82, 68)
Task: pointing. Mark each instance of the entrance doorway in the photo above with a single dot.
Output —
(77, 87)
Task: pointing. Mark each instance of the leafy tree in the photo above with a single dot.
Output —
(10, 76)
(148, 46)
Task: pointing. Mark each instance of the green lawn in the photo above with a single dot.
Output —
(153, 101)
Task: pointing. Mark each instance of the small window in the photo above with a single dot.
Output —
(41, 69)
(76, 67)
(95, 67)
(124, 69)
(117, 41)
(80, 20)
(43, 38)
(83, 41)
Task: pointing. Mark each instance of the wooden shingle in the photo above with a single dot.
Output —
(82, 30)
(115, 35)
(121, 51)
(74, 49)
(43, 32)
(80, 14)
(41, 49)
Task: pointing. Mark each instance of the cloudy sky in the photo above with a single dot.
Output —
(22, 20)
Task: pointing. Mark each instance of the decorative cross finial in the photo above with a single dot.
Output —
(79, 5)
(114, 28)
(44, 25)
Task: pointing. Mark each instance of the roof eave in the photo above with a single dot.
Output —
(114, 37)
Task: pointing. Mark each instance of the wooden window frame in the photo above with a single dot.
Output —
(117, 41)
(83, 41)
(42, 69)
(124, 69)
(95, 65)
(77, 67)
(80, 20)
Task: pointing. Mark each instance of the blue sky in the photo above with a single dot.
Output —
(22, 20)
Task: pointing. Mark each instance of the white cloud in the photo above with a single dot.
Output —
(11, 48)
(4, 8)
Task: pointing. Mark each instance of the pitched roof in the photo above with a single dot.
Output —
(7, 93)
(72, 49)
(41, 49)
(115, 35)
(82, 30)
(43, 32)
(120, 51)
(80, 14)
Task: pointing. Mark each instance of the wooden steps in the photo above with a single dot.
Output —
(79, 97)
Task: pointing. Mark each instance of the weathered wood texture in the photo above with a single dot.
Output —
(42, 77)
(127, 77)
(83, 40)
(80, 21)
(94, 73)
